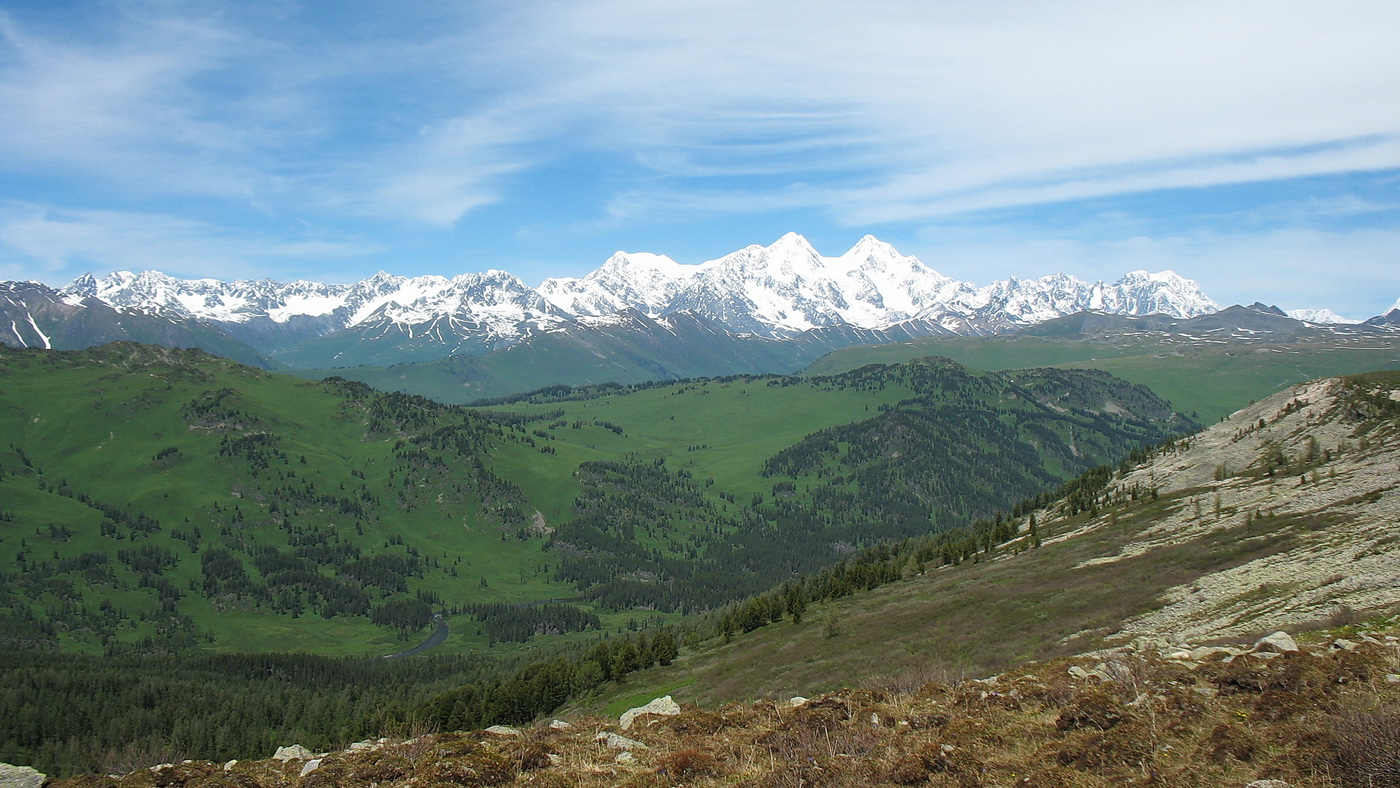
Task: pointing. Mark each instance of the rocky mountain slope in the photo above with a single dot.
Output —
(1314, 470)
(37, 316)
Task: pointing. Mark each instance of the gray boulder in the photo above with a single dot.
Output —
(20, 776)
(616, 742)
(294, 752)
(663, 705)
(1279, 642)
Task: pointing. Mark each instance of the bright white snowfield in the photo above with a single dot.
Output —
(776, 290)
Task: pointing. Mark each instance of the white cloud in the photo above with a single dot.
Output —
(126, 108)
(945, 108)
(65, 244)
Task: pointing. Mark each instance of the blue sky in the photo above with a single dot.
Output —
(1252, 146)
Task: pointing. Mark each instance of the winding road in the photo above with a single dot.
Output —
(435, 639)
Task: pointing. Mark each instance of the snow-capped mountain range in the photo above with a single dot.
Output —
(774, 291)
(768, 308)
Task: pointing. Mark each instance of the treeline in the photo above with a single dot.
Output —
(563, 392)
(72, 713)
(519, 623)
(542, 687)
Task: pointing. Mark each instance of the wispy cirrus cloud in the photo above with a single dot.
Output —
(944, 108)
(897, 110)
(123, 106)
(64, 242)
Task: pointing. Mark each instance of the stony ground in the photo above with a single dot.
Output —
(1270, 715)
(1336, 516)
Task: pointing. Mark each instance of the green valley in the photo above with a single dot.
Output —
(160, 500)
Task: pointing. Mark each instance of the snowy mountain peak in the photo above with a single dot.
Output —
(869, 246)
(1324, 316)
(635, 280)
(776, 291)
(793, 240)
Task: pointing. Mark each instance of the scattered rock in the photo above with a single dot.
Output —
(295, 752)
(625, 757)
(560, 725)
(663, 705)
(797, 701)
(1202, 653)
(20, 776)
(231, 764)
(554, 759)
(616, 742)
(1342, 644)
(1268, 784)
(311, 766)
(1278, 642)
(1078, 672)
(503, 730)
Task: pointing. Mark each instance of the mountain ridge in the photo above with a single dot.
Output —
(777, 291)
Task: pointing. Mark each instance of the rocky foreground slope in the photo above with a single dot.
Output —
(1268, 716)
(1313, 476)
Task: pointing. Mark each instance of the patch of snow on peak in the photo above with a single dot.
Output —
(1325, 316)
(628, 280)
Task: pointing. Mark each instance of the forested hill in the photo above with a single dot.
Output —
(738, 491)
(158, 500)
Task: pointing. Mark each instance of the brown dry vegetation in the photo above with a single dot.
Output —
(1320, 717)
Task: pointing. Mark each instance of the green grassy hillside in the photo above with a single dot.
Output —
(161, 500)
(174, 496)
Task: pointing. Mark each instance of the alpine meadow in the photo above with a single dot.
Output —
(611, 394)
